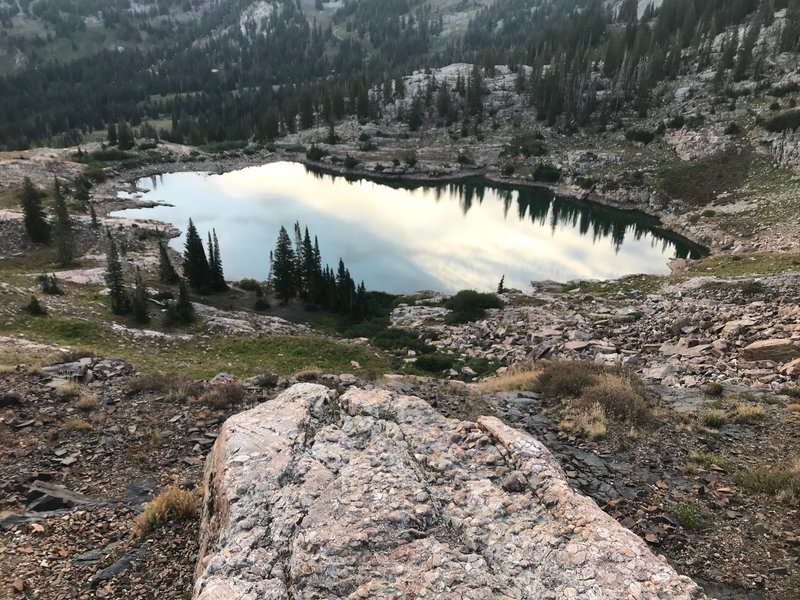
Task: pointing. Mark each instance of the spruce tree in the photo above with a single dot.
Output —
(283, 268)
(112, 134)
(36, 225)
(195, 264)
(166, 272)
(124, 136)
(115, 280)
(218, 283)
(139, 300)
(182, 311)
(93, 216)
(62, 230)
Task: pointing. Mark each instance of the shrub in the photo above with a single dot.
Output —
(643, 136)
(434, 363)
(707, 459)
(151, 382)
(732, 129)
(689, 516)
(87, 402)
(171, 505)
(617, 396)
(715, 390)
(675, 122)
(266, 380)
(49, 284)
(469, 305)
(400, 339)
(350, 162)
(508, 170)
(715, 419)
(307, 375)
(222, 396)
(565, 379)
(782, 121)
(77, 425)
(753, 288)
(261, 304)
(315, 153)
(547, 173)
(591, 421)
(35, 309)
(748, 414)
(250, 285)
(510, 381)
(783, 480)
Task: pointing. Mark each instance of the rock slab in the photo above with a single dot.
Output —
(377, 495)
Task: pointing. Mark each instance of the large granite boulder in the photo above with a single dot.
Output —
(374, 495)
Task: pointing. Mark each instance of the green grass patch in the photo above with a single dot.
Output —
(708, 459)
(774, 481)
(744, 265)
(469, 305)
(699, 182)
(689, 516)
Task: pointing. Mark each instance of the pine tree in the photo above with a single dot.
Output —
(124, 136)
(36, 225)
(93, 216)
(182, 311)
(139, 300)
(115, 280)
(195, 264)
(283, 271)
(166, 272)
(218, 283)
(112, 134)
(62, 229)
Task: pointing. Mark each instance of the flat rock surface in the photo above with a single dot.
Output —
(373, 494)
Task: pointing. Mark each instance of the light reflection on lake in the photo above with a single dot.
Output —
(398, 239)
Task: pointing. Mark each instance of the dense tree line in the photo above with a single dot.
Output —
(297, 272)
(259, 79)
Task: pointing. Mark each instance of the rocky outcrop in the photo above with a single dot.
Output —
(375, 495)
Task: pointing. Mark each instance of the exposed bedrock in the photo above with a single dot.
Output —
(374, 495)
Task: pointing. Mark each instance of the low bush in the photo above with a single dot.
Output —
(172, 505)
(399, 339)
(87, 402)
(434, 363)
(222, 396)
(591, 421)
(618, 398)
(715, 419)
(689, 516)
(714, 389)
(250, 285)
(642, 136)
(77, 425)
(34, 308)
(547, 173)
(782, 121)
(748, 414)
(315, 153)
(469, 305)
(350, 162)
(783, 480)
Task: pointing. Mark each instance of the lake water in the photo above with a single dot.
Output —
(401, 238)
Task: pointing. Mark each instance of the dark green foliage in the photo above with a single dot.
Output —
(783, 121)
(49, 284)
(315, 153)
(501, 287)
(732, 129)
(547, 173)
(350, 162)
(34, 309)
(284, 276)
(166, 271)
(507, 170)
(124, 136)
(469, 305)
(111, 137)
(434, 363)
(115, 280)
(93, 216)
(400, 339)
(36, 225)
(139, 300)
(196, 269)
(643, 136)
(180, 312)
(251, 285)
(216, 275)
(62, 228)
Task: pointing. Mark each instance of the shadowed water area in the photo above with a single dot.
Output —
(398, 237)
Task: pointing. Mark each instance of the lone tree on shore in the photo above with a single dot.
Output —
(62, 229)
(115, 279)
(195, 264)
(166, 272)
(30, 199)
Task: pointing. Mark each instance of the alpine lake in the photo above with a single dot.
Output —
(400, 236)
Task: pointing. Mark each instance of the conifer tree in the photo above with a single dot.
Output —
(93, 216)
(115, 280)
(124, 136)
(182, 311)
(166, 272)
(112, 134)
(218, 283)
(62, 229)
(283, 269)
(30, 199)
(195, 264)
(139, 300)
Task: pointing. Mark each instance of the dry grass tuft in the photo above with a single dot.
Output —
(512, 380)
(793, 407)
(307, 375)
(35, 370)
(78, 425)
(222, 396)
(592, 421)
(618, 397)
(749, 414)
(171, 505)
(7, 369)
(782, 481)
(715, 419)
(87, 402)
(70, 389)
